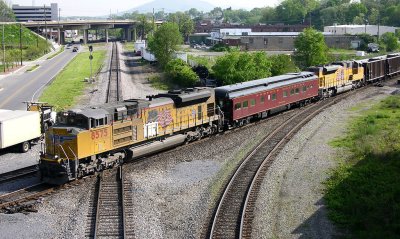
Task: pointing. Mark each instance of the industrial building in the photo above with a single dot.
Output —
(36, 13)
(373, 30)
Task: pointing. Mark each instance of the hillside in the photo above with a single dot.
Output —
(32, 46)
(173, 6)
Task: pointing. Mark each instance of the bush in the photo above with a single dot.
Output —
(220, 47)
(236, 67)
(282, 64)
(180, 73)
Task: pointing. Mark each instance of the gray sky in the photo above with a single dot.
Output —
(103, 7)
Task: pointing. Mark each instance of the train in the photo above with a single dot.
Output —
(88, 140)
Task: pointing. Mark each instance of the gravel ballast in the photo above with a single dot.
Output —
(290, 203)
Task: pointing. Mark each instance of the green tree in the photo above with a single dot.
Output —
(144, 26)
(164, 42)
(391, 41)
(311, 48)
(184, 22)
(6, 13)
(282, 64)
(181, 73)
(237, 67)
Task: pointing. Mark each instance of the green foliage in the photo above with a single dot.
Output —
(157, 81)
(32, 45)
(64, 91)
(184, 22)
(165, 42)
(282, 64)
(144, 26)
(391, 41)
(180, 73)
(365, 40)
(362, 193)
(6, 13)
(311, 48)
(220, 47)
(237, 67)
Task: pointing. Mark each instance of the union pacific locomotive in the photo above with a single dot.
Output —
(89, 140)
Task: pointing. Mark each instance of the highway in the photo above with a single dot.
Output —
(26, 86)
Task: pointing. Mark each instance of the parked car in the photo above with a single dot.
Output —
(75, 49)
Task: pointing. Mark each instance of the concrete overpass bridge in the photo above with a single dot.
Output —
(128, 27)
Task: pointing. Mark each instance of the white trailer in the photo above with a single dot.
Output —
(147, 55)
(18, 127)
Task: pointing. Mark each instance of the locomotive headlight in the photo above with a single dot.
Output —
(55, 156)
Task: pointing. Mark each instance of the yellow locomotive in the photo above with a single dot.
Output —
(339, 77)
(84, 141)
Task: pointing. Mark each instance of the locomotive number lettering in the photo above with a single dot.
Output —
(99, 133)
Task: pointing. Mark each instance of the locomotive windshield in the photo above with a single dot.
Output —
(72, 120)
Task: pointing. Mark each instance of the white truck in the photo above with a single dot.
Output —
(21, 128)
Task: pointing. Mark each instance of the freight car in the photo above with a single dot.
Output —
(88, 140)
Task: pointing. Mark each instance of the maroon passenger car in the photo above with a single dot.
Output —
(255, 99)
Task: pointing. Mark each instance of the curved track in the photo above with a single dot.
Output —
(114, 89)
(233, 216)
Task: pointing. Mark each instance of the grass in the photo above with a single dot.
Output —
(57, 53)
(63, 92)
(33, 68)
(129, 46)
(363, 193)
(159, 82)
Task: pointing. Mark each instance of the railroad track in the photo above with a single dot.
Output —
(25, 196)
(234, 213)
(114, 89)
(111, 209)
(19, 173)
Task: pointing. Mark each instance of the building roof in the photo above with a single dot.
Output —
(253, 87)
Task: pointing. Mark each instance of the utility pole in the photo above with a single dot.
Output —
(45, 24)
(20, 41)
(4, 51)
(154, 27)
(91, 58)
(59, 29)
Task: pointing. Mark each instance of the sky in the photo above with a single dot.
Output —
(103, 7)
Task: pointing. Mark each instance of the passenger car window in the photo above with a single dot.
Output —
(262, 99)
(252, 102)
(285, 93)
(274, 96)
(245, 104)
(292, 92)
(304, 88)
(238, 106)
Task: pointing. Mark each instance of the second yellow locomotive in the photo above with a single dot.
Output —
(339, 77)
(88, 140)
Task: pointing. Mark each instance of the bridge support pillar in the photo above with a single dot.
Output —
(61, 38)
(85, 36)
(106, 30)
(128, 34)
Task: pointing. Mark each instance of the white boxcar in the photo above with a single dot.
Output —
(19, 127)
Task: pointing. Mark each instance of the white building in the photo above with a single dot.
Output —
(36, 13)
(373, 30)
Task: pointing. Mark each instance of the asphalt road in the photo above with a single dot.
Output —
(27, 86)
